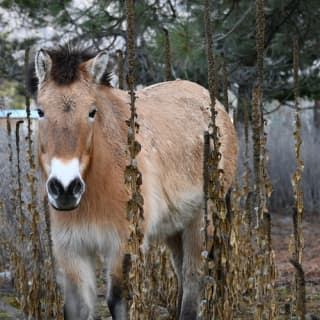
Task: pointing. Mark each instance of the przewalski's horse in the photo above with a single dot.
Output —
(82, 152)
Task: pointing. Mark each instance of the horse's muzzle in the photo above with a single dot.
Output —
(62, 197)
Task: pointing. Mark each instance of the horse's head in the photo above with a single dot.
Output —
(66, 100)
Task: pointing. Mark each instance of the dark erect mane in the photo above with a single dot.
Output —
(66, 60)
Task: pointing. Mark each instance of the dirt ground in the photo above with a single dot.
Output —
(281, 231)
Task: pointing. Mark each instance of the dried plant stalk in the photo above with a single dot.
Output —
(297, 187)
(12, 197)
(26, 63)
(53, 300)
(10, 159)
(21, 280)
(301, 290)
(135, 280)
(297, 177)
(167, 54)
(35, 291)
(264, 262)
(206, 308)
(206, 154)
(241, 233)
(260, 25)
(217, 289)
(225, 84)
(258, 263)
(120, 69)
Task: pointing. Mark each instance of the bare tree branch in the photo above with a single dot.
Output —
(236, 25)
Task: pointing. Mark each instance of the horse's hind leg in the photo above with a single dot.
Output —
(174, 243)
(78, 276)
(191, 280)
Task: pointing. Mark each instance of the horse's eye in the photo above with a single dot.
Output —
(40, 113)
(92, 113)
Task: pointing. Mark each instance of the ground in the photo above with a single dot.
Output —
(281, 231)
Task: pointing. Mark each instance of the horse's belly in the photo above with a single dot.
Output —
(169, 215)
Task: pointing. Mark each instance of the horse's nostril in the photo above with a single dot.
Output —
(55, 188)
(76, 187)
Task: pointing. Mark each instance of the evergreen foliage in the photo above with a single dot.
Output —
(102, 23)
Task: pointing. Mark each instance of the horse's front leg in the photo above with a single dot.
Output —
(117, 302)
(79, 284)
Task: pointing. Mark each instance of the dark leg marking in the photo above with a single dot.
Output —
(175, 245)
(115, 298)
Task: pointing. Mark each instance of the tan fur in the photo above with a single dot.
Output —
(172, 118)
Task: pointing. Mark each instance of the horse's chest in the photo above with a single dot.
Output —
(86, 239)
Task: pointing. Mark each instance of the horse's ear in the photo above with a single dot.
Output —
(43, 65)
(98, 66)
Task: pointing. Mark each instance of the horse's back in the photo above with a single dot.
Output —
(173, 117)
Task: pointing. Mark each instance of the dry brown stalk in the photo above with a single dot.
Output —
(21, 280)
(53, 297)
(206, 306)
(9, 243)
(206, 154)
(35, 290)
(14, 254)
(258, 263)
(264, 262)
(297, 178)
(225, 83)
(297, 187)
(135, 280)
(217, 287)
(26, 63)
(260, 25)
(241, 232)
(167, 54)
(247, 185)
(209, 300)
(301, 290)
(10, 157)
(120, 68)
